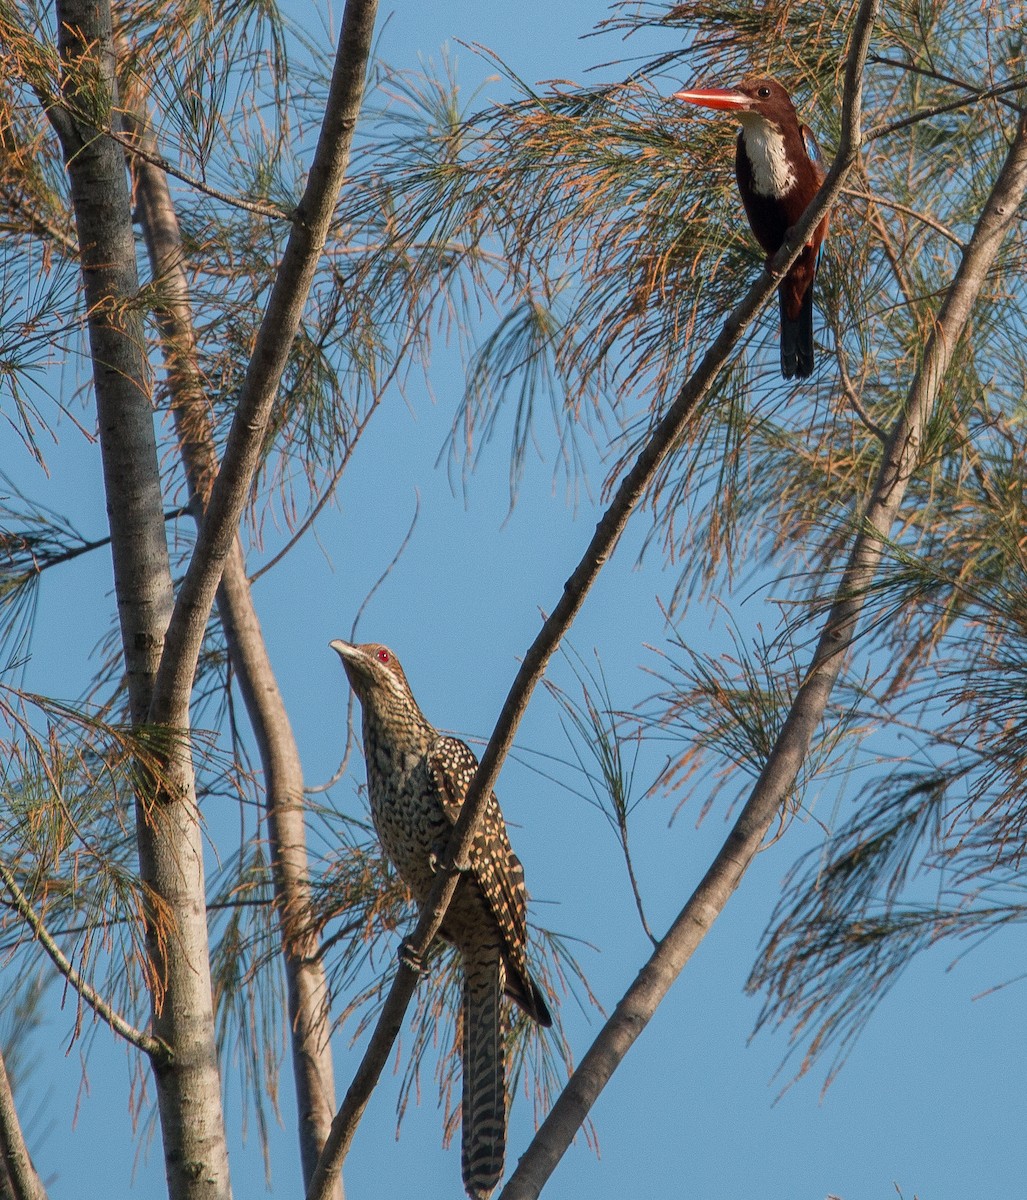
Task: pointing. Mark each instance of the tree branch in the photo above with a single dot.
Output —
(307, 987)
(167, 825)
(99, 192)
(916, 214)
(273, 212)
(633, 486)
(791, 747)
(24, 1183)
(270, 353)
(143, 1041)
(937, 110)
(929, 73)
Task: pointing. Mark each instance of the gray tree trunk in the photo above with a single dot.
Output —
(168, 828)
(308, 1001)
(18, 1178)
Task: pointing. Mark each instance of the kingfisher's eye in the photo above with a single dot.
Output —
(763, 92)
(383, 655)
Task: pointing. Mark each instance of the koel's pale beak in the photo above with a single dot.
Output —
(714, 98)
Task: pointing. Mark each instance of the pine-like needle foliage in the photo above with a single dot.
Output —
(581, 246)
(774, 495)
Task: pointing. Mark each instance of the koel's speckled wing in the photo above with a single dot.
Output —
(497, 869)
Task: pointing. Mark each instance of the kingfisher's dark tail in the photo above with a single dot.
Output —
(797, 337)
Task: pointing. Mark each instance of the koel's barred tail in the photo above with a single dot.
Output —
(484, 1066)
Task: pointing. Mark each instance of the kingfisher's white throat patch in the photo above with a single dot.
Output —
(764, 145)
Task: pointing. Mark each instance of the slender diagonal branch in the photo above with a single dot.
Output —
(633, 486)
(930, 73)
(149, 1045)
(274, 339)
(41, 564)
(915, 213)
(792, 745)
(939, 110)
(132, 147)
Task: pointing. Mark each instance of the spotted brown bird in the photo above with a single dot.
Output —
(417, 779)
(778, 168)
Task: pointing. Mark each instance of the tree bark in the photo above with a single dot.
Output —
(308, 999)
(177, 879)
(20, 1179)
(167, 821)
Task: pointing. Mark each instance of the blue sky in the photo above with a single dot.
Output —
(931, 1100)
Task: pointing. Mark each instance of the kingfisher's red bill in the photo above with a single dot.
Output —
(723, 98)
(779, 171)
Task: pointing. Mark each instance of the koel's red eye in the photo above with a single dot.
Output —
(383, 655)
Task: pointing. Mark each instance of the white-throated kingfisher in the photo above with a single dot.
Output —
(777, 165)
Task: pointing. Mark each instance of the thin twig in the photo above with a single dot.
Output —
(59, 114)
(855, 403)
(86, 547)
(341, 769)
(152, 1046)
(882, 60)
(622, 829)
(937, 110)
(916, 214)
